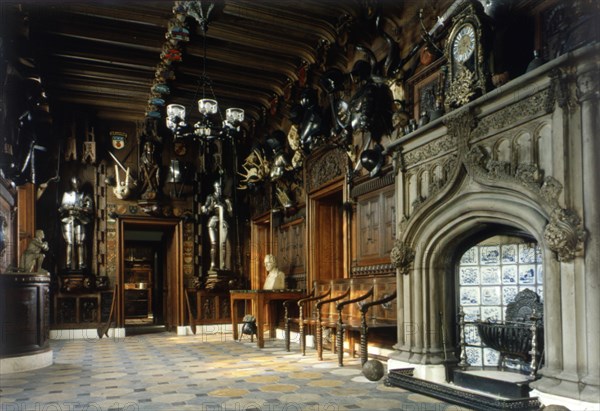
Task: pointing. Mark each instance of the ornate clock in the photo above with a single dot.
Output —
(466, 52)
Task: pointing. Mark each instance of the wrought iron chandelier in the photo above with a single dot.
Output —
(211, 125)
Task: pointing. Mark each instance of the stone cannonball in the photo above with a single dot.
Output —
(373, 370)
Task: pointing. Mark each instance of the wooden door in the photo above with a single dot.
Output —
(327, 234)
(259, 248)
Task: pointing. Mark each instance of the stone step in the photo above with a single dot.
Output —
(481, 401)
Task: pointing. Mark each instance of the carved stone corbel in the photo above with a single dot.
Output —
(564, 234)
(460, 125)
(587, 85)
(560, 89)
(402, 256)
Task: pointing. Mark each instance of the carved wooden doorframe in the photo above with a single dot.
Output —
(262, 244)
(327, 233)
(173, 241)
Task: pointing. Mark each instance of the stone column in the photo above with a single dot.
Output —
(588, 94)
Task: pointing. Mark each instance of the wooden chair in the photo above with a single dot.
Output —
(316, 294)
(366, 293)
(326, 315)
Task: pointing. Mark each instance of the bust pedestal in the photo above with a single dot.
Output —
(24, 318)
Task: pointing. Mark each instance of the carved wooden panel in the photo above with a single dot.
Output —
(384, 287)
(369, 227)
(324, 168)
(376, 215)
(209, 307)
(291, 253)
(81, 309)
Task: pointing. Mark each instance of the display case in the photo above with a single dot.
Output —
(138, 289)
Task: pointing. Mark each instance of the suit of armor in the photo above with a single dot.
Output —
(217, 226)
(76, 212)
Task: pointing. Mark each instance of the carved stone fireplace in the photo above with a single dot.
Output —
(516, 160)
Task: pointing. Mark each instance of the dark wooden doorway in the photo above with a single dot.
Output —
(326, 233)
(170, 248)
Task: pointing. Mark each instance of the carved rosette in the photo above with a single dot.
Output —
(402, 256)
(564, 234)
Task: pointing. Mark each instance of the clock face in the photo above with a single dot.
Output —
(464, 43)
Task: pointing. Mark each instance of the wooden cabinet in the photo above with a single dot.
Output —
(81, 309)
(138, 290)
(209, 307)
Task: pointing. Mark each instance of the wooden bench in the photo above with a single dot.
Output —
(370, 306)
(351, 304)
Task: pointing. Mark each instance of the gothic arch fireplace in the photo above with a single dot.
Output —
(510, 163)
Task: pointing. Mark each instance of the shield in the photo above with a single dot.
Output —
(119, 139)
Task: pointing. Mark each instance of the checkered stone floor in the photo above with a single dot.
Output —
(202, 372)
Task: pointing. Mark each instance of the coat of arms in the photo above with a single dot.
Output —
(119, 139)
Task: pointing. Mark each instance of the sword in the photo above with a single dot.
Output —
(134, 181)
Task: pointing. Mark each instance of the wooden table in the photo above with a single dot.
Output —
(261, 303)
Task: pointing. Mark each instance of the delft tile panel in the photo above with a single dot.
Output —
(527, 274)
(471, 257)
(490, 296)
(509, 274)
(491, 313)
(472, 335)
(527, 253)
(474, 355)
(469, 275)
(490, 356)
(490, 275)
(472, 313)
(470, 296)
(509, 254)
(540, 292)
(508, 294)
(489, 254)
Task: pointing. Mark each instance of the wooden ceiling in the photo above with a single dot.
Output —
(103, 56)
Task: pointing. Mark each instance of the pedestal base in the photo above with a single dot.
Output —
(25, 362)
(218, 279)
